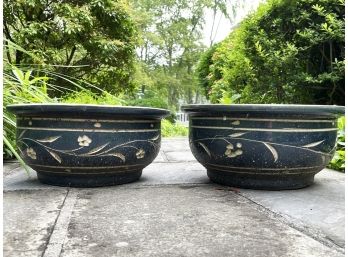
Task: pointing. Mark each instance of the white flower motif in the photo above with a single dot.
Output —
(229, 150)
(140, 154)
(31, 153)
(84, 140)
(231, 153)
(239, 152)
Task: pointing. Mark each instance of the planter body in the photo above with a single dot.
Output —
(270, 147)
(86, 145)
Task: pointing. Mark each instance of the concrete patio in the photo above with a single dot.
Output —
(172, 211)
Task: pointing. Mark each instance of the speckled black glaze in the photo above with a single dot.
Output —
(263, 146)
(87, 145)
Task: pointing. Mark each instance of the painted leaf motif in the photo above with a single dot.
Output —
(205, 148)
(55, 156)
(21, 134)
(272, 150)
(155, 138)
(97, 149)
(237, 134)
(118, 155)
(313, 144)
(48, 139)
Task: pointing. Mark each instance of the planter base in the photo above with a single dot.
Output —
(77, 180)
(259, 181)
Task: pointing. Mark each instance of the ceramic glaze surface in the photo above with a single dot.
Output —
(264, 149)
(88, 150)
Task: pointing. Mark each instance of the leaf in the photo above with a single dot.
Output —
(18, 73)
(48, 139)
(314, 144)
(272, 150)
(236, 122)
(237, 134)
(118, 155)
(55, 156)
(205, 148)
(97, 149)
(155, 138)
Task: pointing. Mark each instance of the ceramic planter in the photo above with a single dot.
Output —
(87, 145)
(263, 146)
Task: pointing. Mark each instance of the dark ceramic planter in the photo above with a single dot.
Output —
(87, 145)
(263, 146)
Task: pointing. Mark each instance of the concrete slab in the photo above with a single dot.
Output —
(10, 167)
(161, 157)
(180, 156)
(174, 173)
(29, 218)
(18, 179)
(175, 144)
(180, 221)
(319, 207)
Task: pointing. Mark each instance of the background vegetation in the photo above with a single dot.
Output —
(96, 37)
(286, 52)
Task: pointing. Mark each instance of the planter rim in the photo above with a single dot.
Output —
(290, 109)
(87, 109)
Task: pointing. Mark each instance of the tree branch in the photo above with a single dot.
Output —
(7, 32)
(73, 50)
(8, 52)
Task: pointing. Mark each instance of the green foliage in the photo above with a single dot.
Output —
(285, 52)
(203, 69)
(170, 45)
(169, 129)
(149, 102)
(96, 37)
(338, 161)
(229, 98)
(19, 87)
(88, 97)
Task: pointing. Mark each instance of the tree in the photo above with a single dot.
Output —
(286, 52)
(171, 33)
(92, 40)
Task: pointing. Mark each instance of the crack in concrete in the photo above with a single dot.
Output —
(59, 231)
(55, 222)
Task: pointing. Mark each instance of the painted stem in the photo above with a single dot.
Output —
(272, 143)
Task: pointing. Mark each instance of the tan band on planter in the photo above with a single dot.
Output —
(90, 130)
(270, 130)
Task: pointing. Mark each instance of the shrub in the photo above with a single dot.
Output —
(286, 52)
(338, 161)
(169, 129)
(88, 97)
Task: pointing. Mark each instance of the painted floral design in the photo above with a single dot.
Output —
(236, 150)
(231, 152)
(140, 154)
(104, 150)
(84, 140)
(31, 153)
